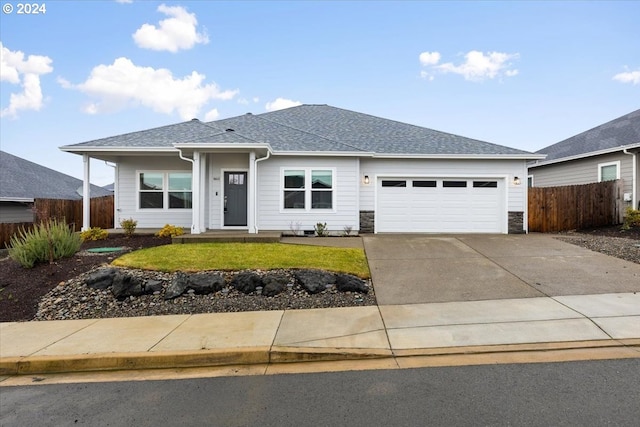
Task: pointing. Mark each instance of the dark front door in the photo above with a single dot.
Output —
(235, 198)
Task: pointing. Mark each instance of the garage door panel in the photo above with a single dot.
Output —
(427, 205)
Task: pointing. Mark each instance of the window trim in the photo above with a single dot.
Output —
(615, 163)
(308, 189)
(165, 190)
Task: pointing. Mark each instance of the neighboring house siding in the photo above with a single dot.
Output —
(127, 203)
(217, 164)
(272, 217)
(516, 196)
(582, 171)
(13, 212)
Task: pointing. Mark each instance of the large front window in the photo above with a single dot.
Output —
(308, 188)
(165, 190)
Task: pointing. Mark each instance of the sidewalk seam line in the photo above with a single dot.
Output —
(584, 315)
(63, 338)
(168, 333)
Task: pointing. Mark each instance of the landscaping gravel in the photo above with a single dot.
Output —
(73, 299)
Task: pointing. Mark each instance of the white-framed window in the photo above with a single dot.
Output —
(608, 171)
(164, 190)
(530, 181)
(308, 188)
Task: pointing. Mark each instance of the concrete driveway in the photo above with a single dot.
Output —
(414, 269)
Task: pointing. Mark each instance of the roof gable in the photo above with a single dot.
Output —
(304, 129)
(20, 178)
(620, 132)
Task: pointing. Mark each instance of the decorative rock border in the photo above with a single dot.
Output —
(124, 283)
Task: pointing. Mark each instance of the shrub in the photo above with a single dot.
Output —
(129, 226)
(321, 229)
(94, 233)
(631, 218)
(47, 241)
(170, 231)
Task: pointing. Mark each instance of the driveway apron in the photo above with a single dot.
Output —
(414, 269)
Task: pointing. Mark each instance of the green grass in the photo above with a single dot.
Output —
(246, 256)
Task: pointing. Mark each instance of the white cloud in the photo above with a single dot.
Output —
(477, 65)
(211, 115)
(124, 1)
(632, 77)
(172, 34)
(429, 58)
(16, 70)
(280, 104)
(124, 84)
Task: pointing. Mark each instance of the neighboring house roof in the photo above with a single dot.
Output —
(305, 129)
(616, 135)
(22, 180)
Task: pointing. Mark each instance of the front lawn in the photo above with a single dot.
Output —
(246, 256)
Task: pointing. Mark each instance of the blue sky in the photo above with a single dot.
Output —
(521, 74)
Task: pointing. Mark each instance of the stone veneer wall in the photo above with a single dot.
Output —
(516, 222)
(367, 221)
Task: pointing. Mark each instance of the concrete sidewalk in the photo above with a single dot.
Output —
(386, 331)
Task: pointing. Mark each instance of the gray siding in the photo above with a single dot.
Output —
(127, 202)
(12, 212)
(582, 171)
(346, 211)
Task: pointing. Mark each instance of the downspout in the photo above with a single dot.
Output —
(195, 226)
(255, 190)
(634, 179)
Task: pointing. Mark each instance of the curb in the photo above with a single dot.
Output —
(28, 365)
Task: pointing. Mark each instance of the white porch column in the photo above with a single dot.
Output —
(86, 194)
(203, 190)
(196, 202)
(251, 218)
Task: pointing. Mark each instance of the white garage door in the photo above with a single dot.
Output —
(440, 205)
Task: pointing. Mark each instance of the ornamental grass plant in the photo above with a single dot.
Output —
(47, 241)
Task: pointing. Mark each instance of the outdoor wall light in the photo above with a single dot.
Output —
(516, 180)
(366, 179)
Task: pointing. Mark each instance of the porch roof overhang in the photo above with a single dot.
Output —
(113, 154)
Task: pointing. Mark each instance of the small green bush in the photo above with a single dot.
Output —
(631, 218)
(321, 229)
(129, 226)
(170, 231)
(94, 233)
(47, 241)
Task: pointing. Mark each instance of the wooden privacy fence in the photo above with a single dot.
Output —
(68, 210)
(574, 207)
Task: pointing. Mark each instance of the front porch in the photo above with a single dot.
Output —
(212, 236)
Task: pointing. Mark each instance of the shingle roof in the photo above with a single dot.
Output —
(165, 136)
(20, 178)
(620, 132)
(363, 132)
(308, 128)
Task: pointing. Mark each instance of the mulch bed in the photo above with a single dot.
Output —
(22, 288)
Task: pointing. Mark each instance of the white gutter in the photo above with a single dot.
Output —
(255, 190)
(634, 178)
(583, 155)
